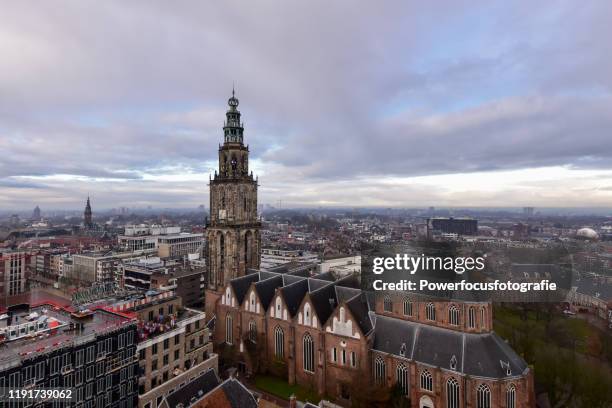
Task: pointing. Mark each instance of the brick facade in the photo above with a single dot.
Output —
(334, 372)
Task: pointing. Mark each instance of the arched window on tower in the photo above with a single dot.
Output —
(234, 163)
(229, 329)
(221, 256)
(248, 238)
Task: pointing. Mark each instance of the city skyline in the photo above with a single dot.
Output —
(402, 106)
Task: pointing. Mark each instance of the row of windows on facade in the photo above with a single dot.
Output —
(483, 392)
(279, 345)
(33, 373)
(63, 363)
(402, 374)
(160, 312)
(430, 312)
(166, 345)
(81, 381)
(165, 375)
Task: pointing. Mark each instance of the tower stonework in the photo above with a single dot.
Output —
(233, 229)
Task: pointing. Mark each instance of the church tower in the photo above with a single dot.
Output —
(87, 215)
(233, 230)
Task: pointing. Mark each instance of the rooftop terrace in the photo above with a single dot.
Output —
(71, 329)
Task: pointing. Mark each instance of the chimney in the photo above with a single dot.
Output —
(292, 401)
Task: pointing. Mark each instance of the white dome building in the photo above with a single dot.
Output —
(587, 233)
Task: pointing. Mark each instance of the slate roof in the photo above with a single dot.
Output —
(195, 389)
(594, 287)
(293, 295)
(483, 355)
(241, 285)
(263, 275)
(343, 294)
(265, 289)
(437, 346)
(390, 334)
(358, 306)
(316, 284)
(321, 302)
(238, 395)
(289, 279)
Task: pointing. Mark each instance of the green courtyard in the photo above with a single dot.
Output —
(281, 388)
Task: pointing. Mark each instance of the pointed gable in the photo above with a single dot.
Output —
(265, 289)
(324, 302)
(241, 285)
(293, 295)
(343, 323)
(358, 306)
(252, 303)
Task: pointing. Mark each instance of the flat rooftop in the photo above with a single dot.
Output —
(62, 333)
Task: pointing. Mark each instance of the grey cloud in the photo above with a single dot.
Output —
(329, 91)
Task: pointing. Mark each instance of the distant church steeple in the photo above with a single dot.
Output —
(87, 214)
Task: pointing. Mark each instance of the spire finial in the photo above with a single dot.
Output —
(233, 101)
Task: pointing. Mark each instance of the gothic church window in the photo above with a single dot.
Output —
(483, 396)
(426, 381)
(308, 353)
(402, 378)
(379, 370)
(452, 393)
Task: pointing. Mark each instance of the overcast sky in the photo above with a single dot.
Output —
(401, 104)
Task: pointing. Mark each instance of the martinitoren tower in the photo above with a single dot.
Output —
(233, 230)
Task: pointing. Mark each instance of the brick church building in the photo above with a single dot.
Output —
(329, 335)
